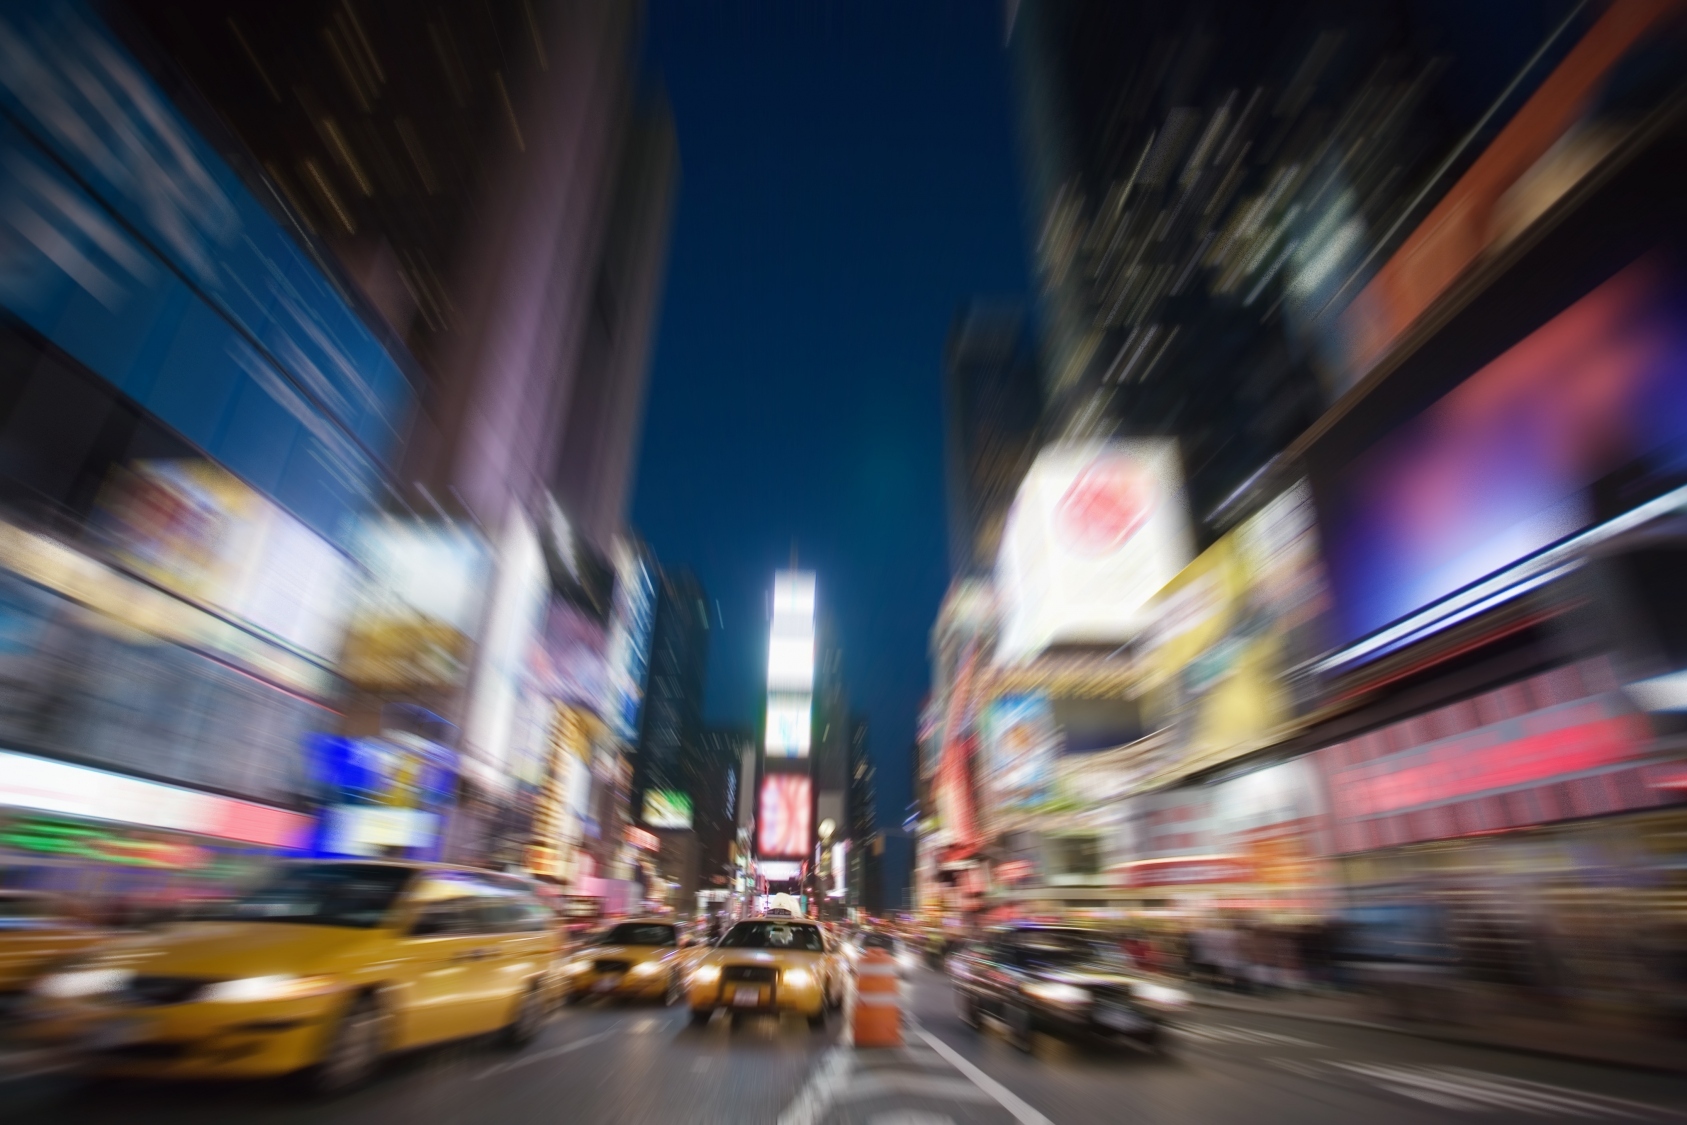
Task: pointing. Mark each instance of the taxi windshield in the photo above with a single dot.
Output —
(321, 894)
(638, 933)
(772, 935)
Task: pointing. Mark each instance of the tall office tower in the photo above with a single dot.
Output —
(493, 186)
(1212, 183)
(673, 701)
(865, 889)
(713, 765)
(194, 412)
(785, 805)
(499, 192)
(992, 406)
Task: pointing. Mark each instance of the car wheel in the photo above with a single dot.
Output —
(1018, 1020)
(528, 1021)
(701, 1016)
(354, 1049)
(968, 1008)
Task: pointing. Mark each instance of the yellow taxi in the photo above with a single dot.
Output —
(633, 959)
(36, 930)
(768, 965)
(321, 970)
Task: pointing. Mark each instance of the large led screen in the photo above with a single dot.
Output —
(1594, 402)
(784, 823)
(667, 808)
(1096, 529)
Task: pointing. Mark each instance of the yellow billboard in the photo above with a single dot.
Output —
(1230, 631)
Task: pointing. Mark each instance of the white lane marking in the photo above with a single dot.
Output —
(823, 1085)
(910, 1117)
(1219, 1033)
(883, 1083)
(525, 1060)
(1006, 1098)
(1474, 1091)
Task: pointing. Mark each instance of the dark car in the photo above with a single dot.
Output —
(1059, 980)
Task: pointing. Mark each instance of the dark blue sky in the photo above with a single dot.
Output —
(848, 177)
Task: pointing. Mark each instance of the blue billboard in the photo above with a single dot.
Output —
(128, 242)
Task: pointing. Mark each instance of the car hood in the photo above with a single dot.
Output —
(767, 957)
(227, 950)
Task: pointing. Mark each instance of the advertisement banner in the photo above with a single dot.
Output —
(632, 613)
(667, 808)
(784, 825)
(419, 606)
(201, 533)
(1096, 529)
(1020, 747)
(1521, 455)
(1231, 626)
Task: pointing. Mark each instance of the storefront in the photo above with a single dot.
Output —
(1251, 844)
(1537, 825)
(124, 846)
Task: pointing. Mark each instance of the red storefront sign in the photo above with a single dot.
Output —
(1181, 871)
(1014, 870)
(1559, 745)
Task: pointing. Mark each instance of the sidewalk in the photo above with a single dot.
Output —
(1605, 1042)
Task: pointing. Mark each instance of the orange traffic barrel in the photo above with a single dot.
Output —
(877, 1015)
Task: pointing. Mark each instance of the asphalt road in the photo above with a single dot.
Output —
(644, 1064)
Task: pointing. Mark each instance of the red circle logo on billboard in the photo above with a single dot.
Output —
(1105, 505)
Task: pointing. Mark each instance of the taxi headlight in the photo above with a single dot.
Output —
(575, 968)
(1163, 995)
(706, 974)
(1053, 992)
(248, 990)
(82, 982)
(797, 978)
(647, 968)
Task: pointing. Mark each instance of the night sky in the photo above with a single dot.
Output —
(849, 176)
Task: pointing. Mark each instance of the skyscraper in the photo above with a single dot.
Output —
(866, 846)
(489, 182)
(992, 406)
(1209, 181)
(673, 699)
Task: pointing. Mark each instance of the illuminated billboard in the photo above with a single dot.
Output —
(1021, 743)
(667, 808)
(1231, 625)
(1580, 420)
(784, 824)
(1096, 529)
(790, 665)
(790, 725)
(421, 605)
(840, 869)
(632, 613)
